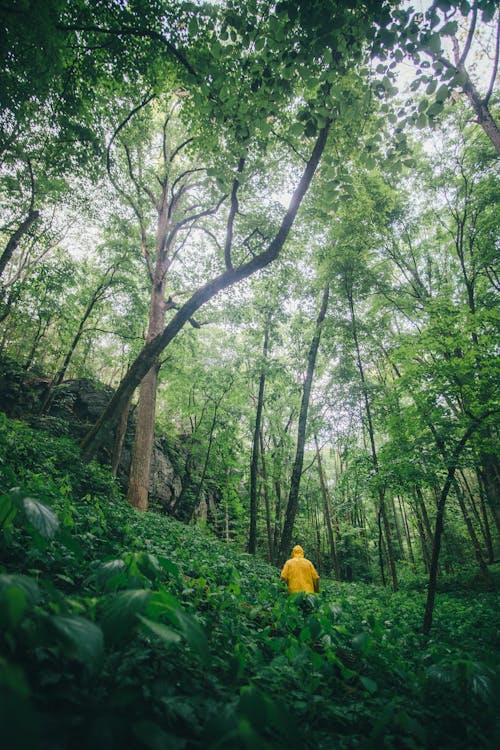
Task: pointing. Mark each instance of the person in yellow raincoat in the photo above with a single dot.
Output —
(300, 574)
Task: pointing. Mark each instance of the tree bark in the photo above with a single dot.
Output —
(152, 349)
(293, 496)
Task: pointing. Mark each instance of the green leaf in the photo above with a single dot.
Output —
(166, 634)
(81, 639)
(194, 634)
(41, 517)
(368, 684)
(449, 29)
(155, 738)
(169, 566)
(7, 511)
(442, 93)
(26, 584)
(13, 601)
(435, 43)
(119, 612)
(13, 677)
(112, 574)
(435, 109)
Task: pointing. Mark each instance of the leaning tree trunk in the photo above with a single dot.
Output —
(16, 237)
(293, 496)
(152, 349)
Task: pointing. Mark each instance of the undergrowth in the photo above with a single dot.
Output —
(121, 630)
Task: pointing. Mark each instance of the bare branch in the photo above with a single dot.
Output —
(193, 218)
(133, 31)
(180, 147)
(470, 36)
(495, 65)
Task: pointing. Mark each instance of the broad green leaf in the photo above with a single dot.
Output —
(119, 612)
(169, 566)
(442, 93)
(368, 684)
(13, 605)
(26, 584)
(13, 677)
(81, 639)
(7, 511)
(112, 574)
(194, 634)
(41, 517)
(166, 634)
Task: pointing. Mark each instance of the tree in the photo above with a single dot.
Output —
(268, 102)
(293, 495)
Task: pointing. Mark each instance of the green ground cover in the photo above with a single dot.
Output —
(120, 630)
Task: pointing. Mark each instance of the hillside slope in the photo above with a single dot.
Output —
(121, 630)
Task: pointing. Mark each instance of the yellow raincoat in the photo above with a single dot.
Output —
(299, 573)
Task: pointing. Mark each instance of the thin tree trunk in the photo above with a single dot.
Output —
(438, 532)
(470, 528)
(209, 451)
(371, 433)
(326, 512)
(254, 464)
(486, 523)
(397, 526)
(406, 527)
(119, 439)
(293, 496)
(265, 488)
(423, 538)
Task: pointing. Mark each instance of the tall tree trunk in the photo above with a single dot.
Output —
(254, 464)
(152, 349)
(326, 512)
(406, 527)
(438, 532)
(470, 528)
(484, 515)
(140, 466)
(293, 496)
(371, 434)
(265, 489)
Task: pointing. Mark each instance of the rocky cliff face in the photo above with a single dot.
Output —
(74, 406)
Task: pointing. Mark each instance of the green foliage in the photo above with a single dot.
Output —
(136, 631)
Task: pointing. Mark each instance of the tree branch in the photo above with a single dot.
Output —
(232, 214)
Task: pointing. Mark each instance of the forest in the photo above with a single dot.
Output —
(249, 277)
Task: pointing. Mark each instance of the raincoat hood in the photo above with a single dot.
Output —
(297, 551)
